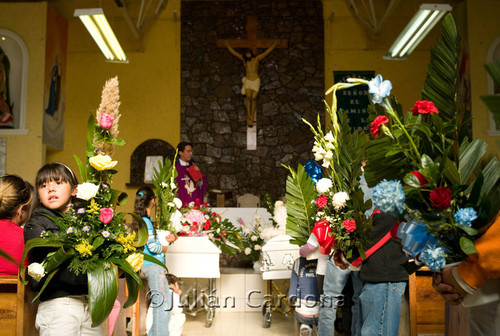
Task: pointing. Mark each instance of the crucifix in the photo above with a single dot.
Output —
(251, 81)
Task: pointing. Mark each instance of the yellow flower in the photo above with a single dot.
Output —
(128, 242)
(84, 248)
(93, 207)
(102, 162)
(135, 260)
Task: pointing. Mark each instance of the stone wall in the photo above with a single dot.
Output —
(213, 113)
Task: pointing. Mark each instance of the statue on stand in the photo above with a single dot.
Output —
(251, 81)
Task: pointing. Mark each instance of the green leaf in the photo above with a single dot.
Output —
(142, 231)
(97, 242)
(426, 161)
(90, 135)
(7, 256)
(470, 158)
(46, 282)
(118, 197)
(30, 244)
(118, 142)
(152, 259)
(412, 181)
(82, 168)
(103, 290)
(470, 231)
(467, 246)
(58, 258)
(133, 290)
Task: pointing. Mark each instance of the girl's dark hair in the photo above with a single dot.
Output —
(143, 198)
(55, 171)
(14, 193)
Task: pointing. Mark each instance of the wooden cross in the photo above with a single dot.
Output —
(251, 42)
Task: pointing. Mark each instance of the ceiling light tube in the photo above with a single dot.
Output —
(100, 30)
(415, 31)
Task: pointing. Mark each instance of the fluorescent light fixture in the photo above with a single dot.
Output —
(97, 25)
(415, 31)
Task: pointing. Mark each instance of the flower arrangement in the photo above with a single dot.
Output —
(168, 213)
(93, 236)
(198, 220)
(251, 236)
(429, 176)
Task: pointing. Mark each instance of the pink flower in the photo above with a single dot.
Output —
(349, 224)
(106, 215)
(195, 215)
(424, 107)
(375, 127)
(106, 121)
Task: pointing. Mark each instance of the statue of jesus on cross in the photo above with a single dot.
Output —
(251, 81)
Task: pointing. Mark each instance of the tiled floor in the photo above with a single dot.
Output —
(240, 323)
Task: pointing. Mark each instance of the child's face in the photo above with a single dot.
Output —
(175, 288)
(56, 195)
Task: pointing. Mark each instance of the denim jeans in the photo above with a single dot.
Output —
(380, 306)
(161, 299)
(306, 320)
(332, 297)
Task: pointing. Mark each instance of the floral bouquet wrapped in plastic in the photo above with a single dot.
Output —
(92, 235)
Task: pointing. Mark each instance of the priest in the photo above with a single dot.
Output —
(191, 183)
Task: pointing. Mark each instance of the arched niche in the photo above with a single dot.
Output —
(17, 54)
(493, 56)
(149, 148)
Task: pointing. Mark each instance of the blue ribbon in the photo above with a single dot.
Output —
(413, 236)
(313, 170)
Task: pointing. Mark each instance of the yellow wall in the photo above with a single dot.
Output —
(149, 91)
(150, 83)
(25, 153)
(483, 28)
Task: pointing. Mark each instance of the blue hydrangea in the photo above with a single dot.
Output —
(434, 257)
(379, 89)
(465, 216)
(388, 197)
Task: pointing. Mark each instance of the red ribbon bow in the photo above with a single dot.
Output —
(322, 231)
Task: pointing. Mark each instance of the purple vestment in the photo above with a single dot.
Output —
(188, 190)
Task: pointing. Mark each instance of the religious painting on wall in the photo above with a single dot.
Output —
(354, 101)
(6, 104)
(55, 79)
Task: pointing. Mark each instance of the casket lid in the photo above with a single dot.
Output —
(280, 243)
(193, 245)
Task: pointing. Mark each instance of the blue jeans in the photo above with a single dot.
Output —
(380, 305)
(306, 320)
(161, 299)
(332, 297)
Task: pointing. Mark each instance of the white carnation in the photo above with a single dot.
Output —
(253, 238)
(87, 191)
(339, 200)
(257, 247)
(248, 250)
(323, 186)
(36, 271)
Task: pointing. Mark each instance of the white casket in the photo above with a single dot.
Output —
(193, 257)
(278, 256)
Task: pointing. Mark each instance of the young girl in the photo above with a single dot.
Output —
(63, 308)
(15, 206)
(161, 300)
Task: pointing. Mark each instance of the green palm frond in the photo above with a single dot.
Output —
(492, 101)
(441, 84)
(300, 194)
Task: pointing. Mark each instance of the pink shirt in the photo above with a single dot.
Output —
(12, 242)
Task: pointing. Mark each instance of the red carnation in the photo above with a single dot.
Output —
(440, 198)
(349, 224)
(424, 107)
(421, 179)
(207, 225)
(375, 127)
(321, 202)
